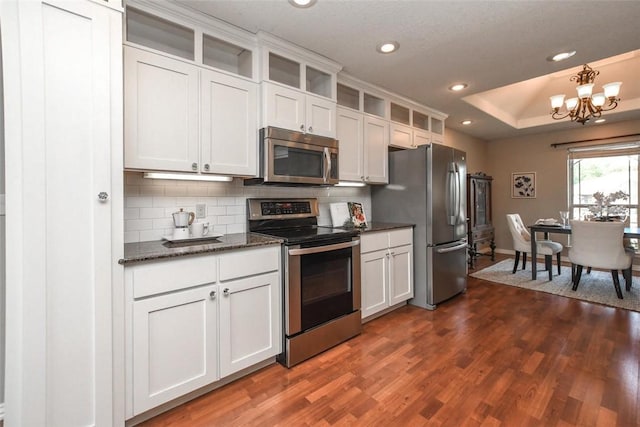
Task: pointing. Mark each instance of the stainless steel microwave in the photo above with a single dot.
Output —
(294, 158)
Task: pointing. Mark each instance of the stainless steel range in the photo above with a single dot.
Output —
(321, 275)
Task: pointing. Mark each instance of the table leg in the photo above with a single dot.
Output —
(534, 262)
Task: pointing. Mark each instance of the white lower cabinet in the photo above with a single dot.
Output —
(175, 345)
(387, 269)
(249, 327)
(194, 320)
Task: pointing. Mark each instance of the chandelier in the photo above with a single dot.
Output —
(586, 105)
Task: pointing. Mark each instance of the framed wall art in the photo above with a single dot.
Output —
(523, 185)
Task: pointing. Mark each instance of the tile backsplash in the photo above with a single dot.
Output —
(149, 203)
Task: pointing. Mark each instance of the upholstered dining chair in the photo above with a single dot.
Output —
(599, 245)
(522, 245)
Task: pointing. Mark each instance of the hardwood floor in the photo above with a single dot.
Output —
(494, 356)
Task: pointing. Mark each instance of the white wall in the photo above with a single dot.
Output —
(149, 203)
(2, 245)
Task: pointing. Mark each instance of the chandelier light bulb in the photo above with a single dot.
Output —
(611, 90)
(557, 101)
(598, 99)
(572, 103)
(584, 91)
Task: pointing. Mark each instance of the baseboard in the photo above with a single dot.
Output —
(2, 411)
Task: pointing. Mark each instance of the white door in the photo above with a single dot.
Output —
(249, 322)
(174, 345)
(401, 273)
(349, 128)
(160, 112)
(62, 68)
(320, 116)
(375, 279)
(376, 154)
(229, 125)
(283, 107)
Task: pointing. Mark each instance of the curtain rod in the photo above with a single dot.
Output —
(559, 144)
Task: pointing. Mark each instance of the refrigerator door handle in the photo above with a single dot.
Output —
(452, 248)
(452, 209)
(458, 198)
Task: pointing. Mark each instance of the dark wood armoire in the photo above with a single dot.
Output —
(480, 226)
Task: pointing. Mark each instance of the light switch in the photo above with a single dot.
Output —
(201, 210)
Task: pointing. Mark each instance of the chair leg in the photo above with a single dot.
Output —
(588, 270)
(616, 283)
(628, 278)
(515, 264)
(559, 261)
(547, 263)
(576, 277)
(524, 260)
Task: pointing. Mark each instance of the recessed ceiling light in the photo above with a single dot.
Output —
(561, 56)
(387, 47)
(466, 122)
(458, 87)
(302, 3)
(600, 120)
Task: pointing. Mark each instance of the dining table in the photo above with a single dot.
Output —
(629, 232)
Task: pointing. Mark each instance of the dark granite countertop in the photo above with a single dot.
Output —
(382, 226)
(144, 251)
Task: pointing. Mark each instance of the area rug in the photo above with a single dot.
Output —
(595, 287)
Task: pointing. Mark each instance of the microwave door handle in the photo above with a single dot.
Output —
(327, 164)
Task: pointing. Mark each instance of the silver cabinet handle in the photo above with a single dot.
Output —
(103, 196)
(310, 128)
(212, 294)
(194, 166)
(226, 292)
(206, 166)
(302, 128)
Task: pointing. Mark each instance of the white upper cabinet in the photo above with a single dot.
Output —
(189, 107)
(299, 88)
(229, 124)
(363, 136)
(409, 127)
(161, 112)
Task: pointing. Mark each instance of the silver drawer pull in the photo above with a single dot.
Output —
(212, 294)
(327, 248)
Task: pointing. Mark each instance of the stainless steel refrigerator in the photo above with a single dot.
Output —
(427, 187)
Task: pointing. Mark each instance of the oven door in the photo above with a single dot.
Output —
(323, 283)
(298, 162)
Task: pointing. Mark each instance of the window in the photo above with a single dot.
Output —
(607, 169)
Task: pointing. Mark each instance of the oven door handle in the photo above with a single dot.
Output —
(327, 248)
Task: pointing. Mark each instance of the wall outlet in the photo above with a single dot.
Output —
(201, 210)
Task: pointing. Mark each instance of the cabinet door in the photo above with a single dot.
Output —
(229, 124)
(421, 137)
(401, 273)
(283, 107)
(161, 112)
(376, 154)
(349, 128)
(174, 345)
(401, 136)
(320, 116)
(375, 279)
(250, 327)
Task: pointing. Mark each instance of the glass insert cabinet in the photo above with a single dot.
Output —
(480, 229)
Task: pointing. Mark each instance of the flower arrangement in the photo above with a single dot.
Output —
(603, 208)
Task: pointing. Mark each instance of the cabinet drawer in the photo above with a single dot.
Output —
(166, 276)
(249, 262)
(400, 237)
(374, 241)
(482, 235)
